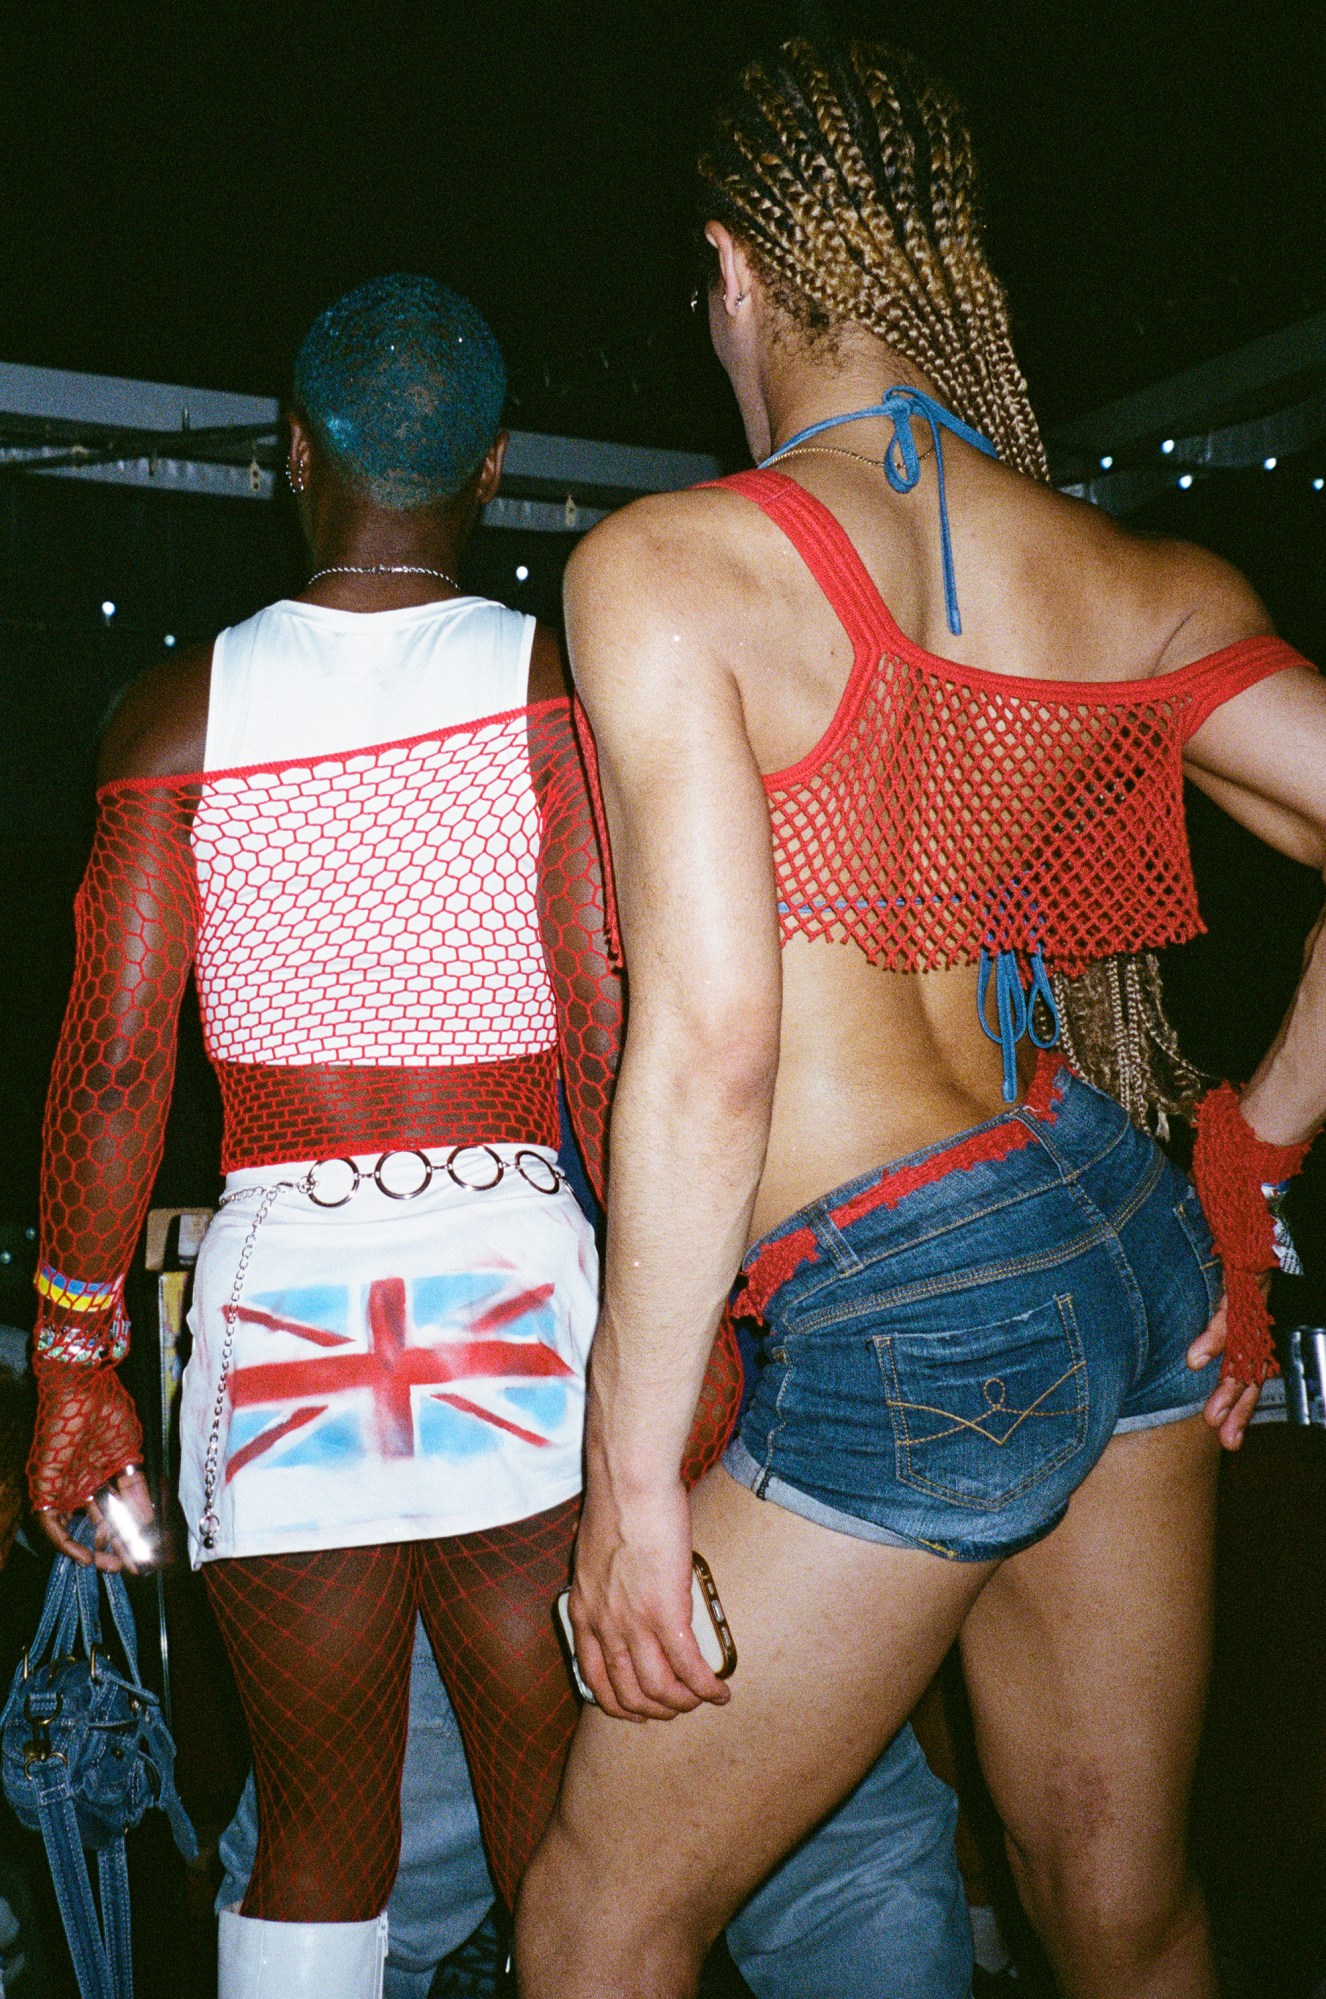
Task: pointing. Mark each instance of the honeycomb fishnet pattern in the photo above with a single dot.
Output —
(377, 907)
(573, 917)
(1230, 1166)
(320, 1645)
(584, 956)
(87, 1431)
(135, 920)
(304, 842)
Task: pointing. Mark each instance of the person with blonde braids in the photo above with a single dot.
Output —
(996, 1358)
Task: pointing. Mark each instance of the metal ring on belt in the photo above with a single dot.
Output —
(407, 1193)
(526, 1152)
(474, 1186)
(338, 1159)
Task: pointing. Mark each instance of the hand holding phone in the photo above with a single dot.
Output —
(709, 1625)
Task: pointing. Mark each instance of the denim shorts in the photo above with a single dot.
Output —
(946, 1346)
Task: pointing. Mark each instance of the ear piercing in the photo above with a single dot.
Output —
(295, 486)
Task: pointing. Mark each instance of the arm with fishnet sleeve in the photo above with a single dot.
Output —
(136, 928)
(584, 959)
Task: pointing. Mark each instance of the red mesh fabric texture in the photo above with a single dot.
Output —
(947, 808)
(719, 1405)
(1229, 1165)
(574, 915)
(487, 1602)
(87, 1431)
(320, 1645)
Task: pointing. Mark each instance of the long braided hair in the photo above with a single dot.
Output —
(847, 173)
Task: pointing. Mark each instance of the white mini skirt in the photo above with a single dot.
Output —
(385, 1350)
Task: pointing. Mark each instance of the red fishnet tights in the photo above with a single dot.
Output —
(320, 1645)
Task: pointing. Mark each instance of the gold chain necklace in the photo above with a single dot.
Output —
(841, 451)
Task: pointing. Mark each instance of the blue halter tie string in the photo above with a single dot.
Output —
(1015, 1008)
(902, 460)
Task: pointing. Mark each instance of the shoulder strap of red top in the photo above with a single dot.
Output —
(1221, 675)
(826, 549)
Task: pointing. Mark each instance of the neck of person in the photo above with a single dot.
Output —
(397, 547)
(806, 384)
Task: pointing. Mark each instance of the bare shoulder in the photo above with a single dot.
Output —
(1185, 601)
(674, 567)
(1214, 605)
(159, 726)
(661, 543)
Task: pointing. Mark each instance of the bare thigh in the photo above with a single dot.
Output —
(1086, 1658)
(663, 1829)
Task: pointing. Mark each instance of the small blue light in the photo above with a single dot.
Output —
(1317, 485)
(522, 573)
(170, 640)
(1167, 446)
(1269, 464)
(107, 609)
(1185, 480)
(1106, 462)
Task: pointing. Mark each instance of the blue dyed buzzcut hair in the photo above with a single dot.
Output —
(402, 382)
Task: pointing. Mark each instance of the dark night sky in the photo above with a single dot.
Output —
(182, 191)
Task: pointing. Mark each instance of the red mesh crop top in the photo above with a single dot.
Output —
(948, 810)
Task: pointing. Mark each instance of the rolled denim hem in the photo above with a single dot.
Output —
(747, 1471)
(1155, 1419)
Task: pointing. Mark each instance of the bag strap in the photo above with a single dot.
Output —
(49, 1778)
(113, 1880)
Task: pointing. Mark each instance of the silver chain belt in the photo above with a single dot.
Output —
(548, 1180)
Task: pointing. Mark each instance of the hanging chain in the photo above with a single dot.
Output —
(209, 1526)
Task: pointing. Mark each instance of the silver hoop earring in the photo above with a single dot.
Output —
(290, 481)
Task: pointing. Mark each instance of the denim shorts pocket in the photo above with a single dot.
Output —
(981, 1414)
(1188, 1214)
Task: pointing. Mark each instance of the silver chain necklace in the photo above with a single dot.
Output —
(380, 569)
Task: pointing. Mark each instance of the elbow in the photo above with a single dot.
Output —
(731, 1062)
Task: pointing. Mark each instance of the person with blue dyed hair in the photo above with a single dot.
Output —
(401, 383)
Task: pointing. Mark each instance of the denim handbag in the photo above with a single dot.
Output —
(84, 1751)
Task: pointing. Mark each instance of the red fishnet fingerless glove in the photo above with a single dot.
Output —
(87, 1431)
(1229, 1166)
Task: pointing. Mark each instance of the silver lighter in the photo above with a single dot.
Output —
(1305, 1375)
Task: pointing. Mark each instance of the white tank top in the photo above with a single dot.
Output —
(298, 680)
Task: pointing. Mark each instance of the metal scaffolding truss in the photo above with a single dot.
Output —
(108, 428)
(1252, 407)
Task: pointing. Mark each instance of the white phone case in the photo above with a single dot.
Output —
(708, 1623)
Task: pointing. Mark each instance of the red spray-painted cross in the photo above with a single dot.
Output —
(390, 1368)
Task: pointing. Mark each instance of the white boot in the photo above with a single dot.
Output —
(260, 1960)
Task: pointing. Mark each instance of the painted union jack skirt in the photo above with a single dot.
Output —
(386, 1358)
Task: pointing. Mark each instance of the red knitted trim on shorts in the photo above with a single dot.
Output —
(779, 1261)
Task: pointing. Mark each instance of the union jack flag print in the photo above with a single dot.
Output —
(424, 1367)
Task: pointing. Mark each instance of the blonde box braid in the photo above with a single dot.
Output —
(848, 174)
